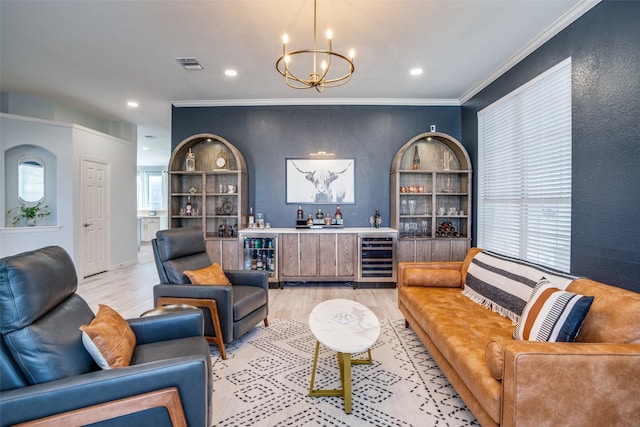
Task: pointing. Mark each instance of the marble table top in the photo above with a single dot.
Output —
(344, 325)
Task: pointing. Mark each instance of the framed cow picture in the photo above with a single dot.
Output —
(320, 181)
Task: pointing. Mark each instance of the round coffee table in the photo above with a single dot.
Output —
(347, 327)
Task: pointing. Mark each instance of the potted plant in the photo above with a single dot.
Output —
(29, 213)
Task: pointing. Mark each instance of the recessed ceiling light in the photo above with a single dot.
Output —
(231, 73)
(415, 71)
(132, 104)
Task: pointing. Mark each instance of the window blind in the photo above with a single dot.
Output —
(524, 171)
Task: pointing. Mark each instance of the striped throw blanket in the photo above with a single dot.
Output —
(504, 284)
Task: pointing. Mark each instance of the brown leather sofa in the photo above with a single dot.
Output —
(591, 382)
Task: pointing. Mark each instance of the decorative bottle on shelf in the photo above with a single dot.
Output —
(338, 214)
(416, 159)
(310, 220)
(300, 213)
(190, 161)
(319, 214)
(251, 217)
(377, 219)
(188, 208)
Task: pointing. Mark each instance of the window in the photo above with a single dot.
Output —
(524, 171)
(152, 189)
(154, 186)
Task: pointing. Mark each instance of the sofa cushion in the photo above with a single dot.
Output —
(504, 284)
(432, 277)
(109, 339)
(211, 275)
(247, 299)
(460, 329)
(494, 353)
(614, 316)
(552, 315)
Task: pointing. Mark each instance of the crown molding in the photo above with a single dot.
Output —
(312, 101)
(560, 24)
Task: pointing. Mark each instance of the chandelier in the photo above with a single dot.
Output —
(319, 78)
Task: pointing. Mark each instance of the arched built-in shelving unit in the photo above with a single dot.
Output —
(431, 201)
(218, 193)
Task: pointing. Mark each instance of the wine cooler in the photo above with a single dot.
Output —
(260, 253)
(377, 259)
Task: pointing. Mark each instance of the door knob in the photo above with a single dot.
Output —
(86, 224)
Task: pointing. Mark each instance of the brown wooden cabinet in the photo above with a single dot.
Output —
(216, 189)
(431, 184)
(318, 256)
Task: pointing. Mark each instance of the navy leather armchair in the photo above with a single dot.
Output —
(240, 307)
(46, 372)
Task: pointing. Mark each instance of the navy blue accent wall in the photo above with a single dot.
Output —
(267, 135)
(604, 45)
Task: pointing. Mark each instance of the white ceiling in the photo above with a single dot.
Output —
(95, 55)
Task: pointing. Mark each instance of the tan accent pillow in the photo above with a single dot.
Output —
(212, 275)
(432, 277)
(109, 339)
(494, 354)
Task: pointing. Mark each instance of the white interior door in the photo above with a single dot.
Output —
(95, 222)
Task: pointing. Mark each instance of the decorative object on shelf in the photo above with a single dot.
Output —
(319, 214)
(446, 160)
(221, 160)
(326, 76)
(193, 190)
(416, 158)
(231, 189)
(188, 208)
(338, 214)
(377, 219)
(320, 181)
(447, 229)
(448, 188)
(29, 213)
(300, 213)
(190, 161)
(225, 208)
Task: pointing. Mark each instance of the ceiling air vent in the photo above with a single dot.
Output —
(189, 63)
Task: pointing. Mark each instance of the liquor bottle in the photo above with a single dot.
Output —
(377, 219)
(251, 217)
(319, 214)
(188, 207)
(416, 159)
(338, 214)
(300, 213)
(310, 220)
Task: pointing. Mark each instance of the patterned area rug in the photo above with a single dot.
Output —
(265, 382)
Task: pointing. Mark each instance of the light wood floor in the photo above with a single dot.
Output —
(129, 291)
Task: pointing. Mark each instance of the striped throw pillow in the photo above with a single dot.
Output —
(552, 315)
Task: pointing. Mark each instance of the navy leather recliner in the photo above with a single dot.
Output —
(45, 370)
(240, 307)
